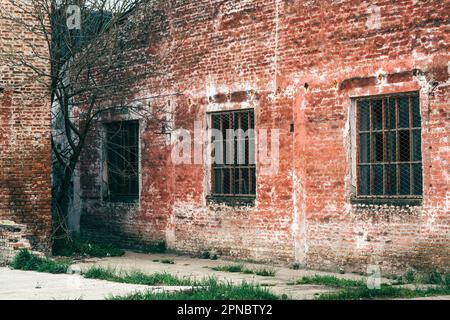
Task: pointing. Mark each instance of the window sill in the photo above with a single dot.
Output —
(387, 201)
(235, 201)
(122, 199)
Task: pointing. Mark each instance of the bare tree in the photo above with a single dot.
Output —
(98, 55)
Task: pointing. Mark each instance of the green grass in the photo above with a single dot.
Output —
(295, 266)
(229, 268)
(209, 289)
(167, 261)
(26, 260)
(357, 290)
(385, 292)
(136, 277)
(265, 272)
(330, 281)
(78, 246)
(261, 271)
(433, 277)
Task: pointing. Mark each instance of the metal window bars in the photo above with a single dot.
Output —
(389, 157)
(233, 168)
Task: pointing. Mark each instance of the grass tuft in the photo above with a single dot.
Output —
(385, 291)
(358, 290)
(137, 277)
(167, 261)
(261, 271)
(229, 268)
(295, 266)
(209, 289)
(26, 260)
(330, 281)
(265, 272)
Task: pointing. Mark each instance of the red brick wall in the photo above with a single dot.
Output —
(25, 154)
(303, 212)
(410, 36)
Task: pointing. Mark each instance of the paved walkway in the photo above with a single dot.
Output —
(30, 285)
(16, 284)
(199, 269)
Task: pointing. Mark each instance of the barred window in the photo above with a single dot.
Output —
(233, 168)
(122, 155)
(389, 156)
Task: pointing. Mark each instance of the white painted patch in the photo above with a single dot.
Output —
(374, 18)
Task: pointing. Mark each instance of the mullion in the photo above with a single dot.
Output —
(397, 145)
(411, 148)
(383, 126)
(371, 160)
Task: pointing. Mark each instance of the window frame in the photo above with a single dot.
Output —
(232, 199)
(122, 198)
(385, 198)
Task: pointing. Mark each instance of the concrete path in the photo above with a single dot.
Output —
(185, 266)
(30, 285)
(199, 269)
(15, 284)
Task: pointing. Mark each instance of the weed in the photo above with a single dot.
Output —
(209, 289)
(358, 290)
(330, 281)
(26, 260)
(265, 272)
(385, 291)
(167, 261)
(261, 271)
(137, 277)
(229, 268)
(295, 266)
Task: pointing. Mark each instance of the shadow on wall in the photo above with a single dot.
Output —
(115, 223)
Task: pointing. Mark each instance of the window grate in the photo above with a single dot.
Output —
(389, 157)
(122, 152)
(233, 169)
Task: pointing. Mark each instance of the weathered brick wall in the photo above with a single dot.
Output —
(305, 60)
(340, 55)
(25, 164)
(13, 237)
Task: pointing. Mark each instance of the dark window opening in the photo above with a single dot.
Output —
(122, 155)
(389, 160)
(233, 169)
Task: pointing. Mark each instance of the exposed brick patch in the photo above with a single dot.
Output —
(13, 237)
